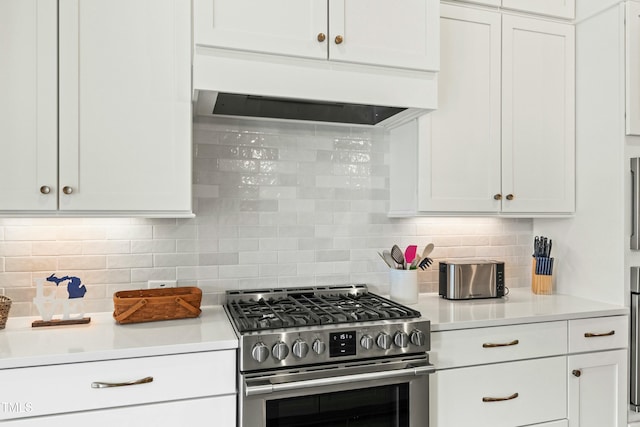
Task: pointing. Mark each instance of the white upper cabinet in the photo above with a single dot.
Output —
(125, 105)
(632, 63)
(502, 139)
(96, 106)
(283, 27)
(373, 32)
(460, 141)
(538, 115)
(28, 104)
(384, 32)
(559, 8)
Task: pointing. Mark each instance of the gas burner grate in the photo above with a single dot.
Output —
(308, 308)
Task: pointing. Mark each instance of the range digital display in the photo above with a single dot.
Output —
(342, 344)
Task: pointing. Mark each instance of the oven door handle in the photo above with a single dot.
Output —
(319, 382)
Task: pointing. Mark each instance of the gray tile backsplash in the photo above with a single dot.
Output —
(277, 204)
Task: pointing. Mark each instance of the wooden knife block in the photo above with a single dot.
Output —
(540, 284)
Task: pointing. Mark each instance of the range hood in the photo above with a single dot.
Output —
(229, 83)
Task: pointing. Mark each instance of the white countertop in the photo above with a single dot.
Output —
(103, 339)
(520, 306)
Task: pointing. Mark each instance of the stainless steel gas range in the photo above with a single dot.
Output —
(329, 356)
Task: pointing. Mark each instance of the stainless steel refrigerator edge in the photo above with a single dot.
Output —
(634, 356)
(635, 203)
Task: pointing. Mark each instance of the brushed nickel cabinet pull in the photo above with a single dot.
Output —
(594, 335)
(45, 189)
(500, 399)
(99, 384)
(506, 344)
(67, 190)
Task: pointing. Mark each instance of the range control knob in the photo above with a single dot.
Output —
(300, 348)
(366, 342)
(259, 352)
(384, 341)
(418, 337)
(318, 346)
(401, 339)
(280, 350)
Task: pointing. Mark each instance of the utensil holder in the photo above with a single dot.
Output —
(5, 305)
(541, 284)
(403, 286)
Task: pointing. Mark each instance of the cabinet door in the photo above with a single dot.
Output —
(459, 146)
(632, 68)
(284, 27)
(125, 105)
(385, 32)
(559, 8)
(28, 104)
(598, 389)
(538, 116)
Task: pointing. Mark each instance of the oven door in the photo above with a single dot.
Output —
(384, 393)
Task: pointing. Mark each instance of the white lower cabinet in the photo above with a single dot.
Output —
(505, 395)
(184, 388)
(598, 389)
(221, 410)
(567, 373)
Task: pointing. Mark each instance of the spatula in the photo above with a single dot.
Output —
(410, 253)
(398, 256)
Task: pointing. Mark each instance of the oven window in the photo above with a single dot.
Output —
(385, 406)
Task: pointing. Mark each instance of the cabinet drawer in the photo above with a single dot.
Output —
(600, 333)
(497, 344)
(170, 414)
(66, 388)
(534, 391)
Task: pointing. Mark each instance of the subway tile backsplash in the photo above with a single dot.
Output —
(277, 204)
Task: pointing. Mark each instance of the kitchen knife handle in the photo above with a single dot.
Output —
(99, 384)
(594, 335)
(500, 399)
(494, 345)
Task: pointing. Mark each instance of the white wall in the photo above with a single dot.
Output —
(590, 248)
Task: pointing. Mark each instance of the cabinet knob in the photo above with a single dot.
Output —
(576, 372)
(510, 196)
(497, 196)
(45, 189)
(339, 39)
(322, 37)
(67, 190)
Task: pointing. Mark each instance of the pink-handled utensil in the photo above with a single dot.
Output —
(410, 253)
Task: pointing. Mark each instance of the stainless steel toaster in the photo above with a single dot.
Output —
(471, 279)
